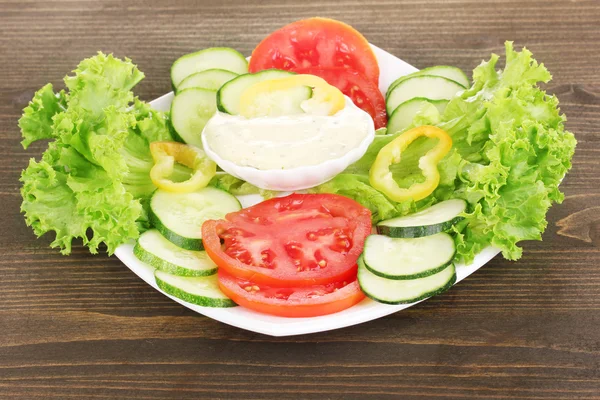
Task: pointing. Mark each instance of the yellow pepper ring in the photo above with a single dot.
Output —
(381, 177)
(165, 154)
(324, 96)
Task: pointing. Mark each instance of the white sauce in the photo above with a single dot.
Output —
(287, 142)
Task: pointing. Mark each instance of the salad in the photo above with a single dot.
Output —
(364, 193)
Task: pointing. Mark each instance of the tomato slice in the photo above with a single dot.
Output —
(318, 42)
(292, 241)
(364, 93)
(309, 301)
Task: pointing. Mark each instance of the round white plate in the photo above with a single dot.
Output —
(391, 68)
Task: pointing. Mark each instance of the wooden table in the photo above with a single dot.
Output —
(86, 327)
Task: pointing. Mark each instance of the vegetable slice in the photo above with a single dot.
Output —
(453, 73)
(389, 291)
(179, 216)
(403, 116)
(275, 102)
(381, 178)
(201, 290)
(229, 95)
(412, 258)
(211, 79)
(324, 99)
(211, 58)
(316, 42)
(154, 249)
(428, 86)
(190, 110)
(293, 241)
(166, 154)
(437, 218)
(310, 301)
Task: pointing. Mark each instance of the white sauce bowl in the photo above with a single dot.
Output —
(297, 178)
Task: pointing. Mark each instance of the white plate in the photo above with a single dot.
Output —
(391, 68)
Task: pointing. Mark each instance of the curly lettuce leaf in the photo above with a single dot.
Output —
(50, 205)
(515, 150)
(102, 81)
(109, 211)
(93, 180)
(36, 121)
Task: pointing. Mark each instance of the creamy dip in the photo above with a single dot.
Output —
(287, 142)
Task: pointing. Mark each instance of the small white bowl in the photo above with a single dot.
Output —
(294, 178)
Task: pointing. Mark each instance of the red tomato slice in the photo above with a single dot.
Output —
(314, 42)
(309, 301)
(292, 241)
(364, 93)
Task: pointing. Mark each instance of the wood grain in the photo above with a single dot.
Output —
(86, 327)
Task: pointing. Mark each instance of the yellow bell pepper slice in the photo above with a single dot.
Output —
(166, 154)
(325, 100)
(381, 177)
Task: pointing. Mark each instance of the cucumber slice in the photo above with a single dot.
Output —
(201, 290)
(280, 102)
(212, 58)
(211, 79)
(153, 249)
(389, 291)
(428, 86)
(408, 258)
(445, 71)
(179, 216)
(429, 221)
(404, 114)
(190, 111)
(228, 96)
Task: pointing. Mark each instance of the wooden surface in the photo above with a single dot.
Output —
(86, 327)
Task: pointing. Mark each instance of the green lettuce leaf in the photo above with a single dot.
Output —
(36, 122)
(93, 180)
(515, 151)
(50, 205)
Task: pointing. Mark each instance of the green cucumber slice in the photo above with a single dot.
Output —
(201, 290)
(281, 102)
(445, 71)
(404, 114)
(389, 291)
(153, 249)
(179, 216)
(428, 86)
(212, 58)
(211, 79)
(190, 111)
(228, 96)
(437, 218)
(403, 259)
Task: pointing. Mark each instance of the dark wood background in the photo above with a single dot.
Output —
(86, 327)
